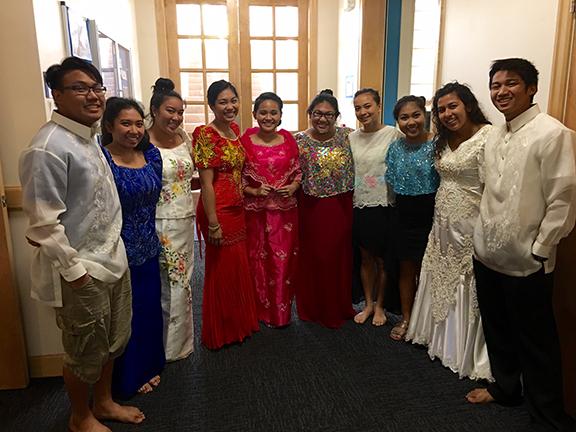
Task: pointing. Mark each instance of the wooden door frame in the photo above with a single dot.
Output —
(565, 26)
(13, 358)
(563, 89)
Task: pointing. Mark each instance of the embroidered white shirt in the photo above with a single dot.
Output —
(369, 152)
(69, 195)
(529, 197)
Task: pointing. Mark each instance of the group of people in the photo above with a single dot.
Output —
(470, 215)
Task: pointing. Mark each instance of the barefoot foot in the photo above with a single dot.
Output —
(86, 424)
(479, 396)
(120, 413)
(146, 388)
(379, 318)
(361, 317)
(154, 382)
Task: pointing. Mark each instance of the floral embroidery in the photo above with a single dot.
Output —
(448, 258)
(203, 149)
(371, 181)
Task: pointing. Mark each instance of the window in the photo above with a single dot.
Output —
(258, 45)
(115, 67)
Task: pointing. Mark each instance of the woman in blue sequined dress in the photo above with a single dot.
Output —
(137, 169)
(412, 176)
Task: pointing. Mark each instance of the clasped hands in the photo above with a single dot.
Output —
(284, 191)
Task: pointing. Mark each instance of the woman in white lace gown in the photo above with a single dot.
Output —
(445, 315)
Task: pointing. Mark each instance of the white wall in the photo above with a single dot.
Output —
(477, 32)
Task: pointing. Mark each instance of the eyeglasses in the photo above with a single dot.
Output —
(327, 115)
(83, 90)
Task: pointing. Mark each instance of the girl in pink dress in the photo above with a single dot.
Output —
(271, 176)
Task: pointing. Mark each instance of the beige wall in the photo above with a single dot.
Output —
(477, 32)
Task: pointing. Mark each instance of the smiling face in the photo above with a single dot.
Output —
(84, 109)
(323, 118)
(367, 110)
(452, 112)
(226, 107)
(268, 115)
(170, 115)
(412, 121)
(128, 128)
(510, 95)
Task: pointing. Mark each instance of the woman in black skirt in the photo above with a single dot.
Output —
(412, 176)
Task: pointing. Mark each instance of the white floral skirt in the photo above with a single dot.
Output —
(176, 264)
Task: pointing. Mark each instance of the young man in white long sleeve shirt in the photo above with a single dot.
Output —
(528, 206)
(79, 264)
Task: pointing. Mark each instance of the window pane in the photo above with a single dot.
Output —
(287, 54)
(286, 21)
(188, 19)
(290, 117)
(262, 82)
(107, 58)
(215, 20)
(216, 53)
(261, 53)
(287, 86)
(190, 53)
(261, 21)
(193, 116)
(192, 86)
(215, 76)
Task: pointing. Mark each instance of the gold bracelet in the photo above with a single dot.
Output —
(214, 227)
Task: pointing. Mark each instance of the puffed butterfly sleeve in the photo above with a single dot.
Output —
(205, 151)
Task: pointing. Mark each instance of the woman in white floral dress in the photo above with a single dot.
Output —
(174, 218)
(445, 313)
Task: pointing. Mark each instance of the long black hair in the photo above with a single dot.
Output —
(471, 104)
(325, 95)
(163, 88)
(114, 106)
(216, 88)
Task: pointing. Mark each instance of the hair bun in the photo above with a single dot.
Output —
(327, 91)
(163, 85)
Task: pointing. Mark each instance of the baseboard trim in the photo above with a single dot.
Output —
(45, 366)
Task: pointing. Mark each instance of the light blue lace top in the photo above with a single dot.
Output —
(411, 168)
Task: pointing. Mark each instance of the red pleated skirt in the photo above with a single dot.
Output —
(323, 291)
(229, 305)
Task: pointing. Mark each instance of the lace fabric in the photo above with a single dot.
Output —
(276, 166)
(448, 257)
(369, 152)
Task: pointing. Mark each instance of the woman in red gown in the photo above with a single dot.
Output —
(229, 306)
(323, 293)
(271, 176)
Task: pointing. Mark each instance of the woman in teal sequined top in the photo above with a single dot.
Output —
(412, 176)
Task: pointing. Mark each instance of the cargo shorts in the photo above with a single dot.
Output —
(95, 320)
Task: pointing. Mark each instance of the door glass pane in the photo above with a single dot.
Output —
(190, 53)
(188, 19)
(287, 21)
(261, 54)
(215, 76)
(192, 86)
(261, 21)
(290, 117)
(216, 53)
(215, 20)
(262, 82)
(286, 54)
(287, 86)
(193, 116)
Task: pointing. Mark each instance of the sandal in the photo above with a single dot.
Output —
(399, 330)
